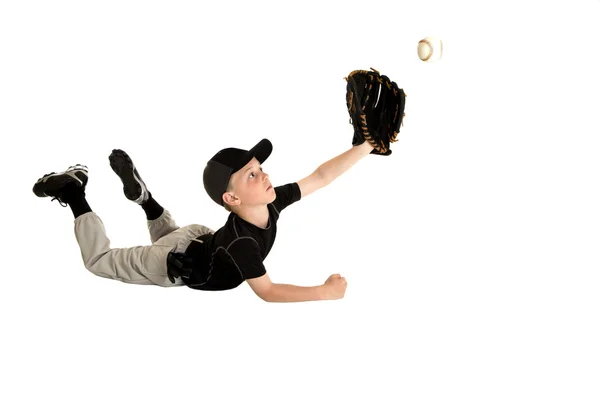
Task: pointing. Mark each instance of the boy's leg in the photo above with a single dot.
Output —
(163, 229)
(141, 264)
(160, 222)
(144, 265)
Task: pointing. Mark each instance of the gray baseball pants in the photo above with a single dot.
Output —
(142, 265)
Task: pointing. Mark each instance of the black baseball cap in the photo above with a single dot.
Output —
(227, 162)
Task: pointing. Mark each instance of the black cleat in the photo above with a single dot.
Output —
(133, 186)
(51, 185)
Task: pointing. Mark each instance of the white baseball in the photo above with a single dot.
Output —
(430, 49)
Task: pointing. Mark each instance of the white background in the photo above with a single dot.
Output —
(471, 253)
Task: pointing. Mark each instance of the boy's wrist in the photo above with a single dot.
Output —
(322, 292)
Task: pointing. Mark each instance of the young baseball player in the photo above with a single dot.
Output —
(195, 255)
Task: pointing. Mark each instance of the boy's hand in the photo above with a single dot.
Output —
(334, 287)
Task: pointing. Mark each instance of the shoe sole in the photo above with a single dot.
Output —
(123, 166)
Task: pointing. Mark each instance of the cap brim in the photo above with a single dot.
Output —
(262, 150)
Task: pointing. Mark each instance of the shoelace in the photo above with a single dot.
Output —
(77, 166)
(59, 200)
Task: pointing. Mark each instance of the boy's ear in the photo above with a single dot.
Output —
(228, 198)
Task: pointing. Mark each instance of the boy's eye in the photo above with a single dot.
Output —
(252, 173)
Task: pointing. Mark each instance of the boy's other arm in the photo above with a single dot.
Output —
(334, 288)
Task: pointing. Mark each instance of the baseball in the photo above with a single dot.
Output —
(430, 49)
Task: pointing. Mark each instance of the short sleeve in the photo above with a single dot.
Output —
(246, 255)
(287, 195)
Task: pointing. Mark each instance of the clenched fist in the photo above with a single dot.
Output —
(334, 287)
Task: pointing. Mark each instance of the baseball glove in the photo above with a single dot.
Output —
(376, 108)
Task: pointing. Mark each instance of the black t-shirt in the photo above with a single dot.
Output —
(237, 250)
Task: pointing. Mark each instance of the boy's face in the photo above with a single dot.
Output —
(252, 186)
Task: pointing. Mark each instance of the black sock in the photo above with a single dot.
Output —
(74, 196)
(152, 209)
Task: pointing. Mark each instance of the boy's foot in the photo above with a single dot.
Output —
(52, 184)
(133, 186)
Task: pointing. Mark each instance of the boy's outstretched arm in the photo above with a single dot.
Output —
(330, 170)
(335, 167)
(334, 288)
